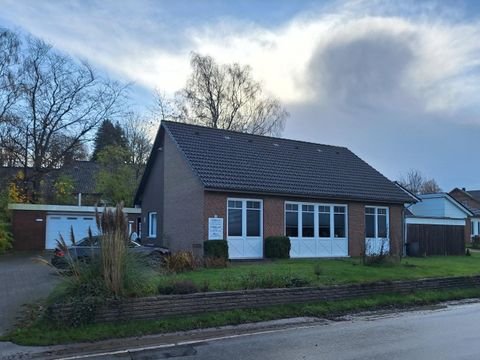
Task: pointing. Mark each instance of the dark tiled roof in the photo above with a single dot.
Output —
(227, 160)
(475, 194)
(84, 175)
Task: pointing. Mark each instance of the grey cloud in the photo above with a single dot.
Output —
(366, 71)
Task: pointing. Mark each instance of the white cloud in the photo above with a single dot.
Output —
(135, 42)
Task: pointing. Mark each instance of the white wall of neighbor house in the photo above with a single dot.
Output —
(440, 206)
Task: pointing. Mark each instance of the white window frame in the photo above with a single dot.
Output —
(152, 231)
(375, 222)
(475, 227)
(244, 218)
(315, 220)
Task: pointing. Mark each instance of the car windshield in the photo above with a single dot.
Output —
(89, 241)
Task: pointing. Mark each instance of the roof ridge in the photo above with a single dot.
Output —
(249, 134)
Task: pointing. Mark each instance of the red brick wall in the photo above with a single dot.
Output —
(396, 229)
(464, 199)
(273, 218)
(28, 233)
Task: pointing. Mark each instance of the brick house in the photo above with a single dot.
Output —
(204, 184)
(471, 200)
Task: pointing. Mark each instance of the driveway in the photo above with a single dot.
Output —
(22, 281)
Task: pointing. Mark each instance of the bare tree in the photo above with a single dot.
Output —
(137, 133)
(61, 102)
(9, 72)
(416, 183)
(430, 187)
(225, 97)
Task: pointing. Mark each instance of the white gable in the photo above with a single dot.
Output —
(438, 205)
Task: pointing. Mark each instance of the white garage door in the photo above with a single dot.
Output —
(62, 224)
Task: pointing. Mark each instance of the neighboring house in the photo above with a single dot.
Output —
(437, 225)
(203, 184)
(471, 200)
(82, 173)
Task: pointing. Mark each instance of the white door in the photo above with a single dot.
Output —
(316, 230)
(245, 228)
(63, 224)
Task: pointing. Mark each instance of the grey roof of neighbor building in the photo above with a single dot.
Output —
(83, 174)
(233, 161)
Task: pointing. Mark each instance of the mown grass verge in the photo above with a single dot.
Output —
(41, 333)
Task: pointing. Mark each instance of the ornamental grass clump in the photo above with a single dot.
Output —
(113, 225)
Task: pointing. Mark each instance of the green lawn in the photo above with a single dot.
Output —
(332, 271)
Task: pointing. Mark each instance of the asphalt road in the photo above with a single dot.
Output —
(450, 333)
(23, 281)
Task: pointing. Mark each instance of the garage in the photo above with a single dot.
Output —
(38, 226)
(59, 225)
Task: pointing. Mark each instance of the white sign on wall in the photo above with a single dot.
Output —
(215, 228)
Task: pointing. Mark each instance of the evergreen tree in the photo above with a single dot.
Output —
(108, 134)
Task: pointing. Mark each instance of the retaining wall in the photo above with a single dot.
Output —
(158, 307)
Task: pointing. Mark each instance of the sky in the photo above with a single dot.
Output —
(397, 82)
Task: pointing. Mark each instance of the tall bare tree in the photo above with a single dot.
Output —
(61, 102)
(9, 72)
(139, 145)
(226, 97)
(415, 182)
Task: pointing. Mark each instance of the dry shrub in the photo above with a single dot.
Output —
(113, 225)
(181, 261)
(215, 262)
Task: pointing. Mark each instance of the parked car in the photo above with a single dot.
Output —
(89, 247)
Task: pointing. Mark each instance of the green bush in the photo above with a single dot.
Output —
(277, 247)
(5, 237)
(216, 249)
(181, 287)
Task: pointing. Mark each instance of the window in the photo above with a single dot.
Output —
(308, 221)
(235, 218)
(475, 228)
(324, 221)
(339, 221)
(253, 218)
(152, 224)
(376, 222)
(245, 218)
(291, 220)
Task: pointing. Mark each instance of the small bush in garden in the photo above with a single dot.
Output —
(5, 237)
(178, 288)
(216, 249)
(317, 270)
(215, 254)
(277, 247)
(253, 280)
(181, 261)
(467, 253)
(215, 262)
(380, 257)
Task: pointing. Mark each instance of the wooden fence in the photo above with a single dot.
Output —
(426, 239)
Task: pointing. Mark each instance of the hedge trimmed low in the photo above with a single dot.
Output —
(277, 247)
(216, 249)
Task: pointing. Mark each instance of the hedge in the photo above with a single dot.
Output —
(216, 249)
(277, 247)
